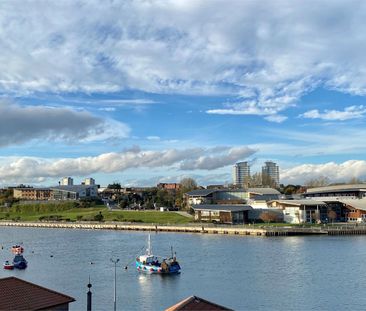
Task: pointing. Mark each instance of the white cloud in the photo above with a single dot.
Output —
(342, 172)
(20, 124)
(351, 112)
(267, 53)
(153, 138)
(27, 169)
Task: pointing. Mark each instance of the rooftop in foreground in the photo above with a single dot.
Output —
(17, 294)
(198, 304)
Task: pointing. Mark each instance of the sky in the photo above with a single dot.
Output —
(141, 92)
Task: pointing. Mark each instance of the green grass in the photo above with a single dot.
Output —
(88, 214)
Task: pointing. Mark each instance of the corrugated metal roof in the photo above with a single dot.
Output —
(264, 190)
(340, 188)
(223, 207)
(201, 192)
(356, 203)
(17, 294)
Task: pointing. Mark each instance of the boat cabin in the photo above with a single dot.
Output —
(147, 259)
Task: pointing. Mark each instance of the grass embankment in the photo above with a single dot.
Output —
(68, 212)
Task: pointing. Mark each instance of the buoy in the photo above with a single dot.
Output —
(126, 267)
(51, 255)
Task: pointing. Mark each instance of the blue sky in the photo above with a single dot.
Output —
(142, 92)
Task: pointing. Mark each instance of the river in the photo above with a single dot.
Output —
(242, 273)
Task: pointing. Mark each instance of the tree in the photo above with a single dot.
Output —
(332, 215)
(355, 180)
(317, 182)
(188, 184)
(268, 181)
(255, 180)
(269, 217)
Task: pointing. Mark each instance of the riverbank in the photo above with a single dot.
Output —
(265, 231)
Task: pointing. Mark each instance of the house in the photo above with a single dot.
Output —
(228, 214)
(301, 211)
(17, 294)
(198, 304)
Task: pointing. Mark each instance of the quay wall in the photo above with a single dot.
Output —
(265, 231)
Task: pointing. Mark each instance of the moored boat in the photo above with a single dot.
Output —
(8, 265)
(19, 262)
(151, 264)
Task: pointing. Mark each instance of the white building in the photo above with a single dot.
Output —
(89, 182)
(241, 173)
(66, 181)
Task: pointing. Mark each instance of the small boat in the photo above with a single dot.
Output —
(151, 264)
(17, 249)
(19, 262)
(8, 265)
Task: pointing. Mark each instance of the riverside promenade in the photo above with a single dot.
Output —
(246, 230)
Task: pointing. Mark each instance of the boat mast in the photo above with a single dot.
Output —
(149, 251)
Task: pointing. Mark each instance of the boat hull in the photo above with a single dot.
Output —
(152, 269)
(8, 267)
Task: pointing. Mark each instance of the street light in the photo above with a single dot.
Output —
(115, 261)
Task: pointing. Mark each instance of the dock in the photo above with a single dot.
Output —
(243, 230)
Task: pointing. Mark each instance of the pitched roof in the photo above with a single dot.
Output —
(223, 207)
(196, 303)
(17, 294)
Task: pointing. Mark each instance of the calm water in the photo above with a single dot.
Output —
(244, 273)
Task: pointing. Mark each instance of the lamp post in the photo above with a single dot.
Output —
(115, 261)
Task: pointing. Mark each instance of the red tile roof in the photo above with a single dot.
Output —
(198, 304)
(16, 294)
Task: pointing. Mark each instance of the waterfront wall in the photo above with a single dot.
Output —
(195, 228)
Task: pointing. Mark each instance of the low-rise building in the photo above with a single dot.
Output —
(32, 193)
(301, 211)
(256, 197)
(347, 201)
(74, 192)
(169, 186)
(227, 214)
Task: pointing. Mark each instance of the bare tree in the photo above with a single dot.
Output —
(332, 215)
(317, 182)
(269, 217)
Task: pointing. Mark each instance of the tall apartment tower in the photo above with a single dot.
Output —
(66, 181)
(270, 174)
(241, 173)
(89, 182)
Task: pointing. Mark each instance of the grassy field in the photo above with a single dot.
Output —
(88, 214)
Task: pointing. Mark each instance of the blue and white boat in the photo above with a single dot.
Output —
(19, 261)
(152, 264)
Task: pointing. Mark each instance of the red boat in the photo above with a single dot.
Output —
(8, 265)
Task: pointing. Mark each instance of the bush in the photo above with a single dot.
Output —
(99, 217)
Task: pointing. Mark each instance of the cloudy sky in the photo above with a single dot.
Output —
(142, 92)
